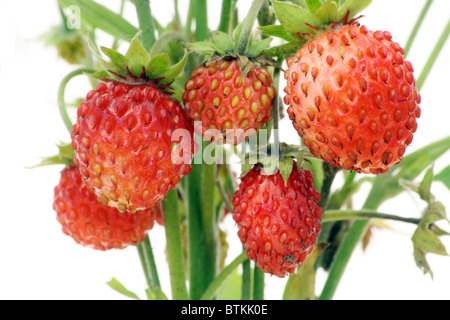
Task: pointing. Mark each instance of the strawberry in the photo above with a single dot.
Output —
(352, 97)
(226, 105)
(92, 224)
(123, 137)
(123, 144)
(278, 221)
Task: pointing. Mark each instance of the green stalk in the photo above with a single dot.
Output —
(175, 257)
(246, 279)
(434, 54)
(145, 19)
(276, 107)
(189, 19)
(225, 17)
(196, 249)
(223, 276)
(148, 263)
(338, 215)
(258, 284)
(209, 221)
(416, 28)
(61, 97)
(247, 26)
(201, 20)
(330, 173)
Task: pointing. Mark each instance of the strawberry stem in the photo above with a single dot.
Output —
(61, 96)
(434, 54)
(247, 26)
(339, 215)
(175, 257)
(148, 264)
(145, 19)
(201, 20)
(416, 28)
(225, 18)
(246, 279)
(258, 284)
(276, 106)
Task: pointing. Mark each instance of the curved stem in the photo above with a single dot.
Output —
(148, 264)
(175, 257)
(416, 28)
(337, 215)
(61, 97)
(225, 198)
(434, 54)
(145, 19)
(223, 276)
(247, 26)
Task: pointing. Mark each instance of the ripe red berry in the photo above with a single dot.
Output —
(278, 223)
(124, 148)
(225, 107)
(353, 99)
(92, 224)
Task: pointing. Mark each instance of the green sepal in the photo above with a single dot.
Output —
(65, 157)
(116, 58)
(222, 41)
(428, 242)
(294, 18)
(158, 64)
(117, 286)
(258, 48)
(276, 31)
(174, 71)
(285, 166)
(206, 48)
(354, 6)
(314, 5)
(137, 58)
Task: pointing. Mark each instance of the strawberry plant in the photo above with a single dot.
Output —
(182, 127)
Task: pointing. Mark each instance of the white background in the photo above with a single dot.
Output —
(38, 262)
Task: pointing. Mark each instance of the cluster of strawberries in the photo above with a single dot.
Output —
(351, 96)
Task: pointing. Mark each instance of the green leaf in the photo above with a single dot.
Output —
(294, 18)
(354, 6)
(137, 58)
(444, 177)
(428, 242)
(276, 31)
(421, 261)
(256, 49)
(301, 286)
(176, 70)
(160, 295)
(285, 167)
(231, 289)
(313, 5)
(425, 185)
(433, 213)
(65, 156)
(222, 41)
(120, 288)
(99, 17)
(159, 63)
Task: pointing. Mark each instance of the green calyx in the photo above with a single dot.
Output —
(225, 46)
(138, 66)
(306, 18)
(65, 157)
(272, 159)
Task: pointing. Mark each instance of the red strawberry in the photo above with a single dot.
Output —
(123, 144)
(92, 224)
(219, 99)
(353, 99)
(278, 222)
